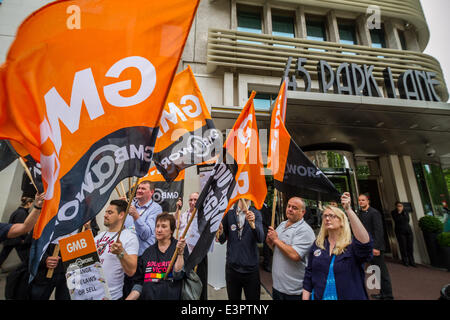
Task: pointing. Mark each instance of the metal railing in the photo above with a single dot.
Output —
(244, 50)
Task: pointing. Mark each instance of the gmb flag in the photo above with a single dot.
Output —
(186, 131)
(85, 102)
(292, 170)
(243, 145)
(166, 193)
(238, 176)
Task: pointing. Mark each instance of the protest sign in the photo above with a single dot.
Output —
(84, 273)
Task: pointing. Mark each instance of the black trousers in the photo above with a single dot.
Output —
(405, 242)
(385, 281)
(277, 295)
(42, 289)
(237, 281)
(202, 272)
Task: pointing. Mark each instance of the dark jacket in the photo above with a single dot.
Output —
(151, 268)
(18, 216)
(401, 221)
(373, 222)
(348, 270)
(4, 229)
(242, 255)
(58, 272)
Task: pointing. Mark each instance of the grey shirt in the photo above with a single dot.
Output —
(287, 275)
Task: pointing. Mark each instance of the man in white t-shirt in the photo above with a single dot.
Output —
(117, 256)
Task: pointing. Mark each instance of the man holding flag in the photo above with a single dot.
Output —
(295, 175)
(240, 176)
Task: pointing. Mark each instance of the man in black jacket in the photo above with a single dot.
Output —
(242, 261)
(373, 222)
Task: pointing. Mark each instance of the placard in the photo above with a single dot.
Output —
(84, 273)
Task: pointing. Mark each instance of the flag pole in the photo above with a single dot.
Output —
(128, 209)
(251, 223)
(28, 173)
(177, 213)
(274, 207)
(118, 192)
(175, 254)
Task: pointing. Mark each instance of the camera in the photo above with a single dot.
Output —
(430, 152)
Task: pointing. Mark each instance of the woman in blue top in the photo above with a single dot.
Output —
(335, 263)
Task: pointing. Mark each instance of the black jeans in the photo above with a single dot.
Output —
(236, 281)
(277, 295)
(385, 281)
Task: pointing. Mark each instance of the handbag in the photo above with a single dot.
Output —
(191, 288)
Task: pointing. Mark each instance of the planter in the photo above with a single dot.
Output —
(433, 248)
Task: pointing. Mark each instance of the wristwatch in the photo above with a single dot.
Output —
(121, 255)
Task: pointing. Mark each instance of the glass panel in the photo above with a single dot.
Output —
(315, 30)
(249, 22)
(347, 35)
(438, 188)
(262, 101)
(283, 26)
(423, 190)
(378, 39)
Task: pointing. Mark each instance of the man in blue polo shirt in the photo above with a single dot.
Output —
(9, 231)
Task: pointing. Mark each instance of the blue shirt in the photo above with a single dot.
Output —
(144, 226)
(4, 229)
(348, 270)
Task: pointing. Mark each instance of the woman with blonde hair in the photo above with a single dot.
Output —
(335, 263)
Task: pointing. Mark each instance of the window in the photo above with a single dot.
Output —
(378, 38)
(283, 25)
(347, 33)
(249, 21)
(401, 36)
(316, 30)
(263, 101)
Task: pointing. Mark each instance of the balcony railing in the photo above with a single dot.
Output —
(244, 50)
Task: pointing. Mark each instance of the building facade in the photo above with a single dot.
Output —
(366, 105)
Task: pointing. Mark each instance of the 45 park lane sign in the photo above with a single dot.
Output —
(353, 79)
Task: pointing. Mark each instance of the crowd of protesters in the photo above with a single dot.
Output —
(329, 266)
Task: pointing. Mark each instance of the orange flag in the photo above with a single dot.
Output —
(85, 100)
(243, 145)
(186, 132)
(293, 172)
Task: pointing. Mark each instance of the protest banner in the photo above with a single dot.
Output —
(92, 122)
(84, 273)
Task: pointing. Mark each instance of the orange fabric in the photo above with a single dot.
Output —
(66, 89)
(185, 110)
(279, 140)
(243, 144)
(78, 245)
(154, 176)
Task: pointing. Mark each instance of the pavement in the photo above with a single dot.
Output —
(408, 283)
